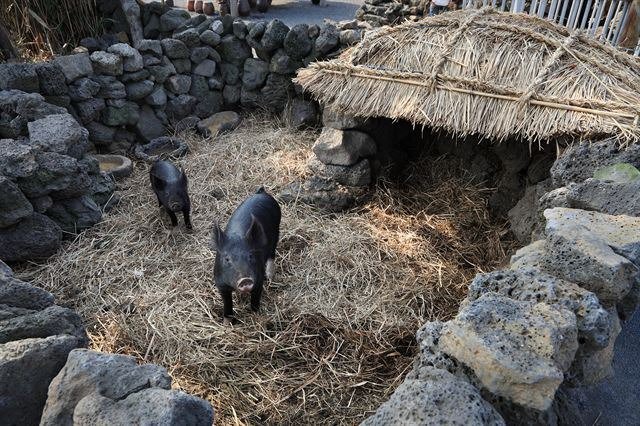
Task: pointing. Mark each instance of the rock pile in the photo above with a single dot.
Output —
(49, 184)
(46, 378)
(548, 320)
(35, 338)
(389, 12)
(352, 152)
(598, 176)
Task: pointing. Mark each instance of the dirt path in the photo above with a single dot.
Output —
(293, 12)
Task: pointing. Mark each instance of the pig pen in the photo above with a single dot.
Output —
(335, 334)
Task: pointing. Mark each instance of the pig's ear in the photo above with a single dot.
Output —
(217, 238)
(256, 234)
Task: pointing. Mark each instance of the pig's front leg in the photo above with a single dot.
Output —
(174, 219)
(256, 294)
(187, 218)
(227, 305)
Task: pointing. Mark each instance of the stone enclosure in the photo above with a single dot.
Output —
(546, 321)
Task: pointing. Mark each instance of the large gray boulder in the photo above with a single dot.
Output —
(301, 113)
(517, 350)
(59, 133)
(274, 35)
(255, 73)
(149, 126)
(139, 90)
(599, 252)
(608, 197)
(173, 19)
(14, 206)
(234, 51)
(131, 58)
(26, 368)
(58, 175)
(152, 406)
(20, 77)
(50, 321)
(297, 42)
(175, 49)
(17, 159)
(358, 174)
(581, 161)
(106, 63)
(33, 238)
(530, 285)
(340, 120)
(52, 79)
(109, 381)
(524, 218)
(20, 294)
(436, 398)
(328, 39)
(343, 147)
(74, 66)
(76, 214)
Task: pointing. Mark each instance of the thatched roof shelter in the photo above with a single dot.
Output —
(497, 75)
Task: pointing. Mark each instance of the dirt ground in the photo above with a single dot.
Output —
(293, 12)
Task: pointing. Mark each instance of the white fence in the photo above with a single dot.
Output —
(602, 19)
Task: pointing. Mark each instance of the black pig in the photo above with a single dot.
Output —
(246, 249)
(170, 185)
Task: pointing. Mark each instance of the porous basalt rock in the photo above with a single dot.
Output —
(518, 350)
(437, 398)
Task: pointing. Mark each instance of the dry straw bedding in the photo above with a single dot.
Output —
(499, 75)
(335, 333)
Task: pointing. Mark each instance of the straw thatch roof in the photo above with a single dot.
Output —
(497, 75)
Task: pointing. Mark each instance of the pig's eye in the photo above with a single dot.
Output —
(227, 260)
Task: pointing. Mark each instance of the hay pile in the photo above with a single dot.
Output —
(335, 335)
(483, 72)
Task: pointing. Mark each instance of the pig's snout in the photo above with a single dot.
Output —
(175, 206)
(244, 285)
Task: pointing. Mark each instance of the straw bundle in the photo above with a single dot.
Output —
(497, 75)
(334, 336)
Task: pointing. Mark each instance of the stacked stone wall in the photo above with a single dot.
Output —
(549, 320)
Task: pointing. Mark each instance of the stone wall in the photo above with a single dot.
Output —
(47, 378)
(546, 322)
(353, 152)
(49, 185)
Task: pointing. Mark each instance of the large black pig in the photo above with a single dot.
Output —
(171, 187)
(246, 249)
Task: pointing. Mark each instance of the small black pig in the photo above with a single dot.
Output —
(170, 185)
(246, 249)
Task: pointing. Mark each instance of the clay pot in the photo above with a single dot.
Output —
(223, 7)
(199, 6)
(262, 5)
(243, 8)
(209, 9)
(191, 5)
